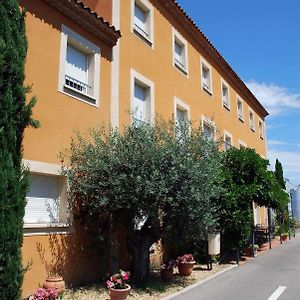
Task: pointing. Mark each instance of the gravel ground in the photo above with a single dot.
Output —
(155, 288)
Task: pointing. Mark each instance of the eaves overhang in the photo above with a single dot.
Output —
(81, 14)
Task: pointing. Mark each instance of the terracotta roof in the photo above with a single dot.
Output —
(83, 15)
(202, 40)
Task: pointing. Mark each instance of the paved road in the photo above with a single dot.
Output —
(273, 275)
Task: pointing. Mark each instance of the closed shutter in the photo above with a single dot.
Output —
(140, 103)
(42, 200)
(77, 64)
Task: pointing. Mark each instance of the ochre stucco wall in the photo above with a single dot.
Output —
(60, 116)
(156, 64)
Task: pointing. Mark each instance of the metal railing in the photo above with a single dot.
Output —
(77, 85)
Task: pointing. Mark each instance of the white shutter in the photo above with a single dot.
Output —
(140, 103)
(178, 52)
(42, 200)
(77, 64)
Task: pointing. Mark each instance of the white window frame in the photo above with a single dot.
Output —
(206, 65)
(68, 36)
(47, 169)
(206, 121)
(137, 77)
(251, 122)
(261, 128)
(146, 6)
(240, 100)
(226, 85)
(227, 146)
(242, 143)
(181, 105)
(183, 68)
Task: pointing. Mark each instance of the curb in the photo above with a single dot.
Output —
(199, 283)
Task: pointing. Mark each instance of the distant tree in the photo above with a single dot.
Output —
(279, 174)
(15, 116)
(148, 180)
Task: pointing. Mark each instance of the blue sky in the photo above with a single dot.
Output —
(261, 42)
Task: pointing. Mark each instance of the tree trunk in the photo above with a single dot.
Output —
(142, 241)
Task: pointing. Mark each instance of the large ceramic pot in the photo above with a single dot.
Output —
(186, 268)
(119, 294)
(55, 282)
(166, 275)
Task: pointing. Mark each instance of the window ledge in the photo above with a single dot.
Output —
(261, 137)
(144, 38)
(79, 96)
(241, 119)
(208, 91)
(46, 229)
(226, 106)
(180, 68)
(252, 128)
(45, 225)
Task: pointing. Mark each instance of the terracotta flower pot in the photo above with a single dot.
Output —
(119, 294)
(186, 269)
(166, 275)
(55, 282)
(284, 237)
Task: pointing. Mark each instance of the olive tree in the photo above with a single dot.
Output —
(147, 179)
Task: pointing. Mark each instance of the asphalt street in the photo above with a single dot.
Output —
(273, 275)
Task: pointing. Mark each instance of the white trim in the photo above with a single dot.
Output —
(115, 71)
(262, 129)
(242, 143)
(146, 4)
(224, 104)
(134, 75)
(182, 106)
(182, 40)
(210, 123)
(42, 167)
(239, 99)
(227, 134)
(90, 49)
(204, 63)
(251, 112)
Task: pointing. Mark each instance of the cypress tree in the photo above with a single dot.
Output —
(15, 116)
(279, 174)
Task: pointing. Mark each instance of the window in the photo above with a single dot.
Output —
(261, 129)
(208, 128)
(142, 99)
(143, 20)
(225, 95)
(240, 110)
(227, 140)
(46, 200)
(251, 120)
(182, 116)
(242, 145)
(180, 52)
(79, 74)
(206, 77)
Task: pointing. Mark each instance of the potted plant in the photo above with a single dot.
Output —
(56, 281)
(166, 271)
(284, 236)
(45, 294)
(185, 264)
(118, 286)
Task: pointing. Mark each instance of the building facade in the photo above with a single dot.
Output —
(84, 74)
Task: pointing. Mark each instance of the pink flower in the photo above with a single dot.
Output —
(125, 276)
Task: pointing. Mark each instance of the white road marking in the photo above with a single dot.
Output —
(277, 293)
